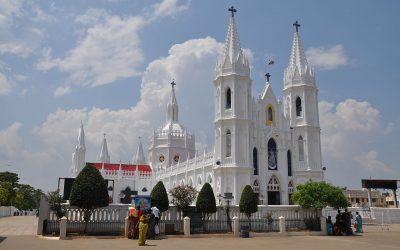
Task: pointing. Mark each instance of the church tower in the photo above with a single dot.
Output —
(78, 157)
(171, 144)
(139, 158)
(301, 108)
(103, 156)
(232, 114)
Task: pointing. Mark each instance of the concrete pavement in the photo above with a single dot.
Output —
(375, 237)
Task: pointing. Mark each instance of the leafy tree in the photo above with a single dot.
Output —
(206, 201)
(159, 197)
(89, 191)
(318, 195)
(183, 196)
(4, 196)
(56, 204)
(248, 202)
(10, 177)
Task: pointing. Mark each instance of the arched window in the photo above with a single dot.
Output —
(301, 149)
(298, 106)
(289, 163)
(270, 114)
(228, 103)
(272, 155)
(228, 143)
(255, 161)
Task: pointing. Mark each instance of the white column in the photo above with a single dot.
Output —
(282, 225)
(63, 228)
(186, 226)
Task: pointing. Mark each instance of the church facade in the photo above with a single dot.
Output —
(261, 141)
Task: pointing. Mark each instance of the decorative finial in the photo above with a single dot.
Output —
(173, 83)
(268, 75)
(297, 25)
(232, 10)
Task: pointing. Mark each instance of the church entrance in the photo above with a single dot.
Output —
(274, 191)
(274, 198)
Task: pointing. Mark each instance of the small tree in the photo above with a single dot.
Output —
(55, 202)
(206, 201)
(183, 196)
(89, 191)
(318, 195)
(248, 202)
(159, 197)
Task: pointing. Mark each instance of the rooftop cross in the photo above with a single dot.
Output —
(268, 75)
(173, 84)
(297, 25)
(232, 10)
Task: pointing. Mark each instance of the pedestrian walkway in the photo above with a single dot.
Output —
(18, 225)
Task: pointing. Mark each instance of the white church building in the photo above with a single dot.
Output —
(261, 141)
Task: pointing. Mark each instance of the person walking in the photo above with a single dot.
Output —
(358, 223)
(156, 212)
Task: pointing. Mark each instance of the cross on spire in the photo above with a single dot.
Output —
(268, 75)
(232, 10)
(297, 25)
(173, 84)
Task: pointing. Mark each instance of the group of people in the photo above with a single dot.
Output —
(343, 225)
(143, 224)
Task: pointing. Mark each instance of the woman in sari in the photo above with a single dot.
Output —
(143, 226)
(358, 223)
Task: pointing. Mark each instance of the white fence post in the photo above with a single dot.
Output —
(63, 228)
(282, 225)
(126, 227)
(44, 213)
(235, 226)
(186, 226)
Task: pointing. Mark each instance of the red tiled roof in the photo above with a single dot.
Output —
(124, 167)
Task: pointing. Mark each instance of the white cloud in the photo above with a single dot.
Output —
(5, 86)
(109, 48)
(370, 163)
(169, 8)
(190, 64)
(10, 140)
(327, 58)
(62, 90)
(348, 131)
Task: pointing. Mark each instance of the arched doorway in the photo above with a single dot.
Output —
(274, 191)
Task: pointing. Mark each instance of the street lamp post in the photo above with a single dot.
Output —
(227, 197)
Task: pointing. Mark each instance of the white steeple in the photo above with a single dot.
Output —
(139, 158)
(232, 60)
(298, 70)
(172, 107)
(78, 157)
(103, 156)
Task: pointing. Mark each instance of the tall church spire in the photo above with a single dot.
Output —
(233, 60)
(78, 157)
(139, 158)
(104, 157)
(298, 70)
(172, 107)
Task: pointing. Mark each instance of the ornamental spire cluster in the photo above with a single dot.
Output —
(298, 70)
(232, 60)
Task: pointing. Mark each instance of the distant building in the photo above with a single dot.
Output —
(359, 198)
(390, 199)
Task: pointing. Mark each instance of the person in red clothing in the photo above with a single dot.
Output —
(136, 216)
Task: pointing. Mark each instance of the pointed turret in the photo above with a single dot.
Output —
(104, 157)
(78, 157)
(298, 71)
(172, 107)
(139, 158)
(232, 60)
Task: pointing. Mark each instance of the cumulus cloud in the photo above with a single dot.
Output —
(110, 47)
(327, 58)
(5, 86)
(190, 64)
(10, 140)
(348, 130)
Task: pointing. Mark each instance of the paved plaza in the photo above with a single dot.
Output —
(18, 233)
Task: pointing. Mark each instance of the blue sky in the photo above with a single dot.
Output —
(108, 63)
